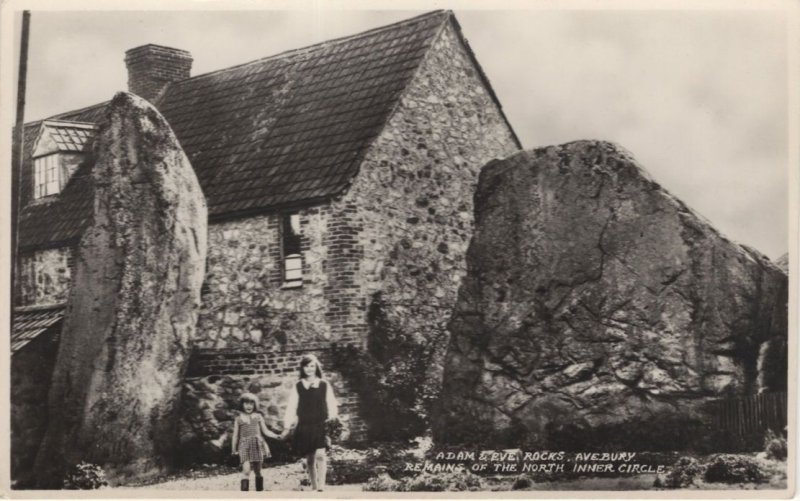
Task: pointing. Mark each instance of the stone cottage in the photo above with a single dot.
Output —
(333, 174)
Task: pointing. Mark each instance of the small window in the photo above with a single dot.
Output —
(291, 251)
(47, 176)
(71, 261)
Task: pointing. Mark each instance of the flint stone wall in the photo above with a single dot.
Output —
(414, 191)
(44, 276)
(595, 298)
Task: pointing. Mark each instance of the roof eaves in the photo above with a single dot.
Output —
(273, 209)
(69, 123)
(54, 244)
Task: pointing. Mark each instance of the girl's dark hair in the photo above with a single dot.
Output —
(307, 359)
(248, 397)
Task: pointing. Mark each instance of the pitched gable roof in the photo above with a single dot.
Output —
(287, 130)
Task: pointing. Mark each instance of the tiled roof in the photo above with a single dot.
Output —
(33, 321)
(284, 131)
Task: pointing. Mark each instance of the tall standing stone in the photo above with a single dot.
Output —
(133, 306)
(594, 298)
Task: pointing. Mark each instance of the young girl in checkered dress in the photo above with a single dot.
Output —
(248, 442)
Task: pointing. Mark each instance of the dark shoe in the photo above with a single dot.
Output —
(259, 483)
(245, 484)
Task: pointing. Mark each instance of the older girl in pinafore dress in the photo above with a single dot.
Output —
(247, 440)
(311, 403)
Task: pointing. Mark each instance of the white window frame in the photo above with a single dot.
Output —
(47, 175)
(292, 258)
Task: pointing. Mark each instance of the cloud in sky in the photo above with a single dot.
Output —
(699, 97)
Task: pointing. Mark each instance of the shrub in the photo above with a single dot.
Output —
(85, 476)
(392, 376)
(438, 482)
(775, 446)
(333, 430)
(381, 483)
(682, 474)
(427, 482)
(734, 469)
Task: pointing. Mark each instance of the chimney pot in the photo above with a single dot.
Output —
(152, 67)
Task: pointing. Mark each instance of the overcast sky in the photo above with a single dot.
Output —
(699, 97)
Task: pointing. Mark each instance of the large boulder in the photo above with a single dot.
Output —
(133, 304)
(594, 298)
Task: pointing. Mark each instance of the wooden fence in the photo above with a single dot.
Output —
(753, 413)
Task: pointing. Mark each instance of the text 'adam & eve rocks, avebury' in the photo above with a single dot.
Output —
(516, 461)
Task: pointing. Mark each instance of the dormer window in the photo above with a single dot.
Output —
(58, 150)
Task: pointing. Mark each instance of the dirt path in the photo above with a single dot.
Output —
(278, 478)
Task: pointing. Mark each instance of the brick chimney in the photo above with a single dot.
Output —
(152, 67)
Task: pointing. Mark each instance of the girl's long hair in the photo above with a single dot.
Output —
(307, 359)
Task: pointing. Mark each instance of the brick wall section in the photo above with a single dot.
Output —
(414, 192)
(152, 67)
(44, 276)
(346, 303)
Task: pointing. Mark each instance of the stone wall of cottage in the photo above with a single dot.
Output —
(253, 329)
(247, 306)
(44, 276)
(415, 190)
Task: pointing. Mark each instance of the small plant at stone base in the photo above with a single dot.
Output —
(775, 446)
(734, 469)
(333, 430)
(522, 482)
(84, 476)
(682, 474)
